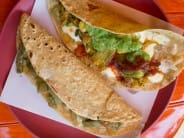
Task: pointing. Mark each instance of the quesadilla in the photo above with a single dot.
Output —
(69, 86)
(126, 53)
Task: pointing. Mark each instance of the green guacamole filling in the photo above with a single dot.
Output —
(23, 64)
(102, 40)
(103, 47)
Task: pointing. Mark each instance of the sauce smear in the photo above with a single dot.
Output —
(80, 51)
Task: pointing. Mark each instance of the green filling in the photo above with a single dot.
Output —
(102, 40)
(23, 65)
(135, 74)
(102, 58)
(102, 46)
(131, 57)
(59, 12)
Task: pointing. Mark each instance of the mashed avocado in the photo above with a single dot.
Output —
(109, 44)
(102, 40)
(106, 45)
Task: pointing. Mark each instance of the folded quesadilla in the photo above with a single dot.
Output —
(69, 86)
(126, 53)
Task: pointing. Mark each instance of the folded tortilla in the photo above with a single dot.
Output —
(69, 86)
(126, 53)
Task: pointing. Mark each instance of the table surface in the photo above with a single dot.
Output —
(174, 113)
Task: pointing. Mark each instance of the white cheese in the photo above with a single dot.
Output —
(70, 30)
(153, 36)
(143, 36)
(109, 73)
(156, 78)
(167, 65)
(149, 49)
(161, 39)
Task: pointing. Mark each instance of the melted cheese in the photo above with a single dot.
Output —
(70, 30)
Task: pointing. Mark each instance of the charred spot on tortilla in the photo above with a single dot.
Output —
(30, 54)
(32, 25)
(92, 7)
(46, 44)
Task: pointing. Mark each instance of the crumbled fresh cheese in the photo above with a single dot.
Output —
(149, 49)
(158, 77)
(167, 65)
(154, 36)
(109, 73)
(143, 36)
(70, 30)
(161, 39)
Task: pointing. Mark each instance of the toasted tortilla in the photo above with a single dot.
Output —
(170, 55)
(81, 95)
(99, 15)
